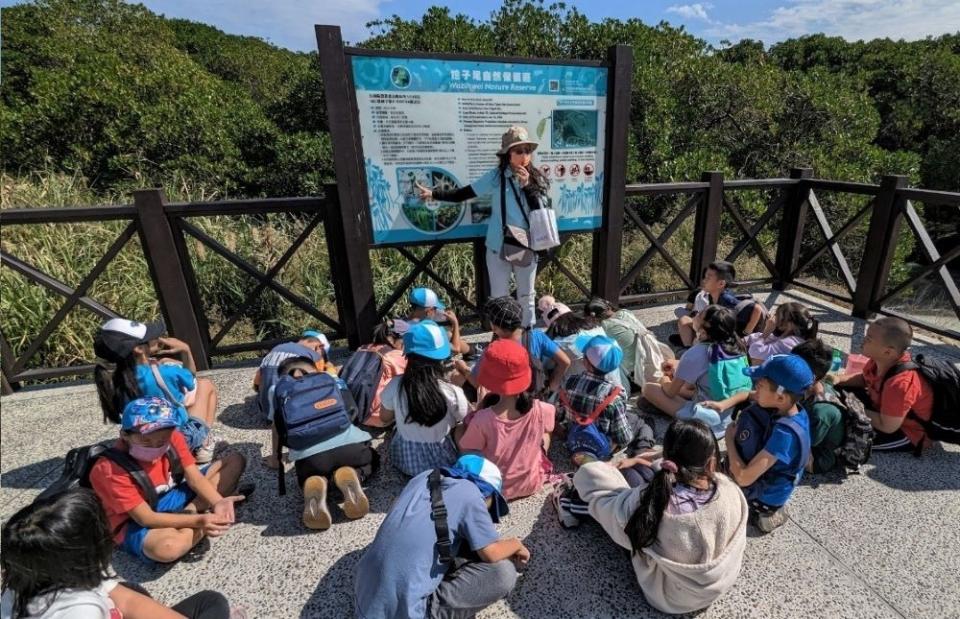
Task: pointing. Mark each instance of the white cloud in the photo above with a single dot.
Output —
(288, 23)
(691, 11)
(851, 19)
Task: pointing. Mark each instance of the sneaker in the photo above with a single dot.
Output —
(567, 519)
(771, 521)
(204, 453)
(355, 503)
(316, 514)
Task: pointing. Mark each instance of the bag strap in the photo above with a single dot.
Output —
(133, 468)
(438, 513)
(162, 383)
(503, 200)
(595, 413)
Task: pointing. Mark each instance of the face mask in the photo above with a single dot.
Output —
(148, 454)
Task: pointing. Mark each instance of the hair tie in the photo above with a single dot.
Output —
(668, 465)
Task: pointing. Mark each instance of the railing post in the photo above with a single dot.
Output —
(706, 227)
(608, 240)
(880, 246)
(791, 227)
(167, 271)
(350, 219)
(6, 363)
(480, 273)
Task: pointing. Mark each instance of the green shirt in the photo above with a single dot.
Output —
(826, 431)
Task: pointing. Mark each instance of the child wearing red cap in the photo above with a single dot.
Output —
(514, 432)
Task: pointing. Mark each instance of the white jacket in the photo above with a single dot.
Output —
(696, 557)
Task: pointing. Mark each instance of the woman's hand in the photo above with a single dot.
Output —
(425, 193)
(523, 175)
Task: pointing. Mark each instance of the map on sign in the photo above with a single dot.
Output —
(439, 122)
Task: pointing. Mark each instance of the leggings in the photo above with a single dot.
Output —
(202, 605)
(360, 456)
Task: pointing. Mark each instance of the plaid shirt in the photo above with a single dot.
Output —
(584, 392)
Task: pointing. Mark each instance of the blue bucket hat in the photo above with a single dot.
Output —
(486, 476)
(427, 339)
(424, 297)
(603, 352)
(146, 415)
(789, 372)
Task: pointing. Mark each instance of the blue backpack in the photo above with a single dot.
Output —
(584, 436)
(308, 410)
(754, 427)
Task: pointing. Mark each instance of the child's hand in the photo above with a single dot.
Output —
(717, 406)
(213, 525)
(770, 326)
(521, 556)
(451, 317)
(629, 463)
(461, 366)
(669, 366)
(224, 508)
(172, 344)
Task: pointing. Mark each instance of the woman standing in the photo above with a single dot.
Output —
(516, 188)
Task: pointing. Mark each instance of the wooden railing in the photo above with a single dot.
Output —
(793, 212)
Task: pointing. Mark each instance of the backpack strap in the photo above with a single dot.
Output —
(595, 413)
(155, 367)
(133, 468)
(899, 368)
(801, 433)
(438, 512)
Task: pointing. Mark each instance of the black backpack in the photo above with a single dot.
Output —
(944, 379)
(79, 462)
(858, 432)
(362, 373)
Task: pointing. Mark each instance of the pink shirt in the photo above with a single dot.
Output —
(393, 363)
(515, 446)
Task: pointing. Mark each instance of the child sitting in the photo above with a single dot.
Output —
(590, 398)
(791, 324)
(821, 403)
(895, 404)
(417, 567)
(769, 446)
(513, 433)
(506, 319)
(426, 407)
(346, 458)
(166, 531)
(425, 304)
(714, 366)
(643, 355)
(388, 345)
(564, 327)
(134, 347)
(312, 344)
(686, 528)
(56, 564)
(717, 278)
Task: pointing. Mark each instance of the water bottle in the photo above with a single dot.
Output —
(837, 360)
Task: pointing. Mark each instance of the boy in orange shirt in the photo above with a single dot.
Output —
(893, 403)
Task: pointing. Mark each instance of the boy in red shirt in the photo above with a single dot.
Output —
(892, 400)
(186, 511)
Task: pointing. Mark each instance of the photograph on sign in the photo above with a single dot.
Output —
(438, 123)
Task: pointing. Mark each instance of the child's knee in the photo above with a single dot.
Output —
(169, 548)
(503, 577)
(233, 463)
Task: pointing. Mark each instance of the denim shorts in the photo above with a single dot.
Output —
(171, 501)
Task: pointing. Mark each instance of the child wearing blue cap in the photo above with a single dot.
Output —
(590, 398)
(425, 304)
(191, 502)
(438, 553)
(426, 407)
(769, 446)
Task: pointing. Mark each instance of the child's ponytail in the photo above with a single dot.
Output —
(687, 449)
(720, 325)
(116, 385)
(803, 321)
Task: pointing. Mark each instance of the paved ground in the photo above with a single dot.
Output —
(882, 544)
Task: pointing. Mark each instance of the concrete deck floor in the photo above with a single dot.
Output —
(882, 544)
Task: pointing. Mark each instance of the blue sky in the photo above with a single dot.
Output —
(288, 23)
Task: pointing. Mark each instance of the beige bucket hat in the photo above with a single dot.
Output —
(515, 135)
